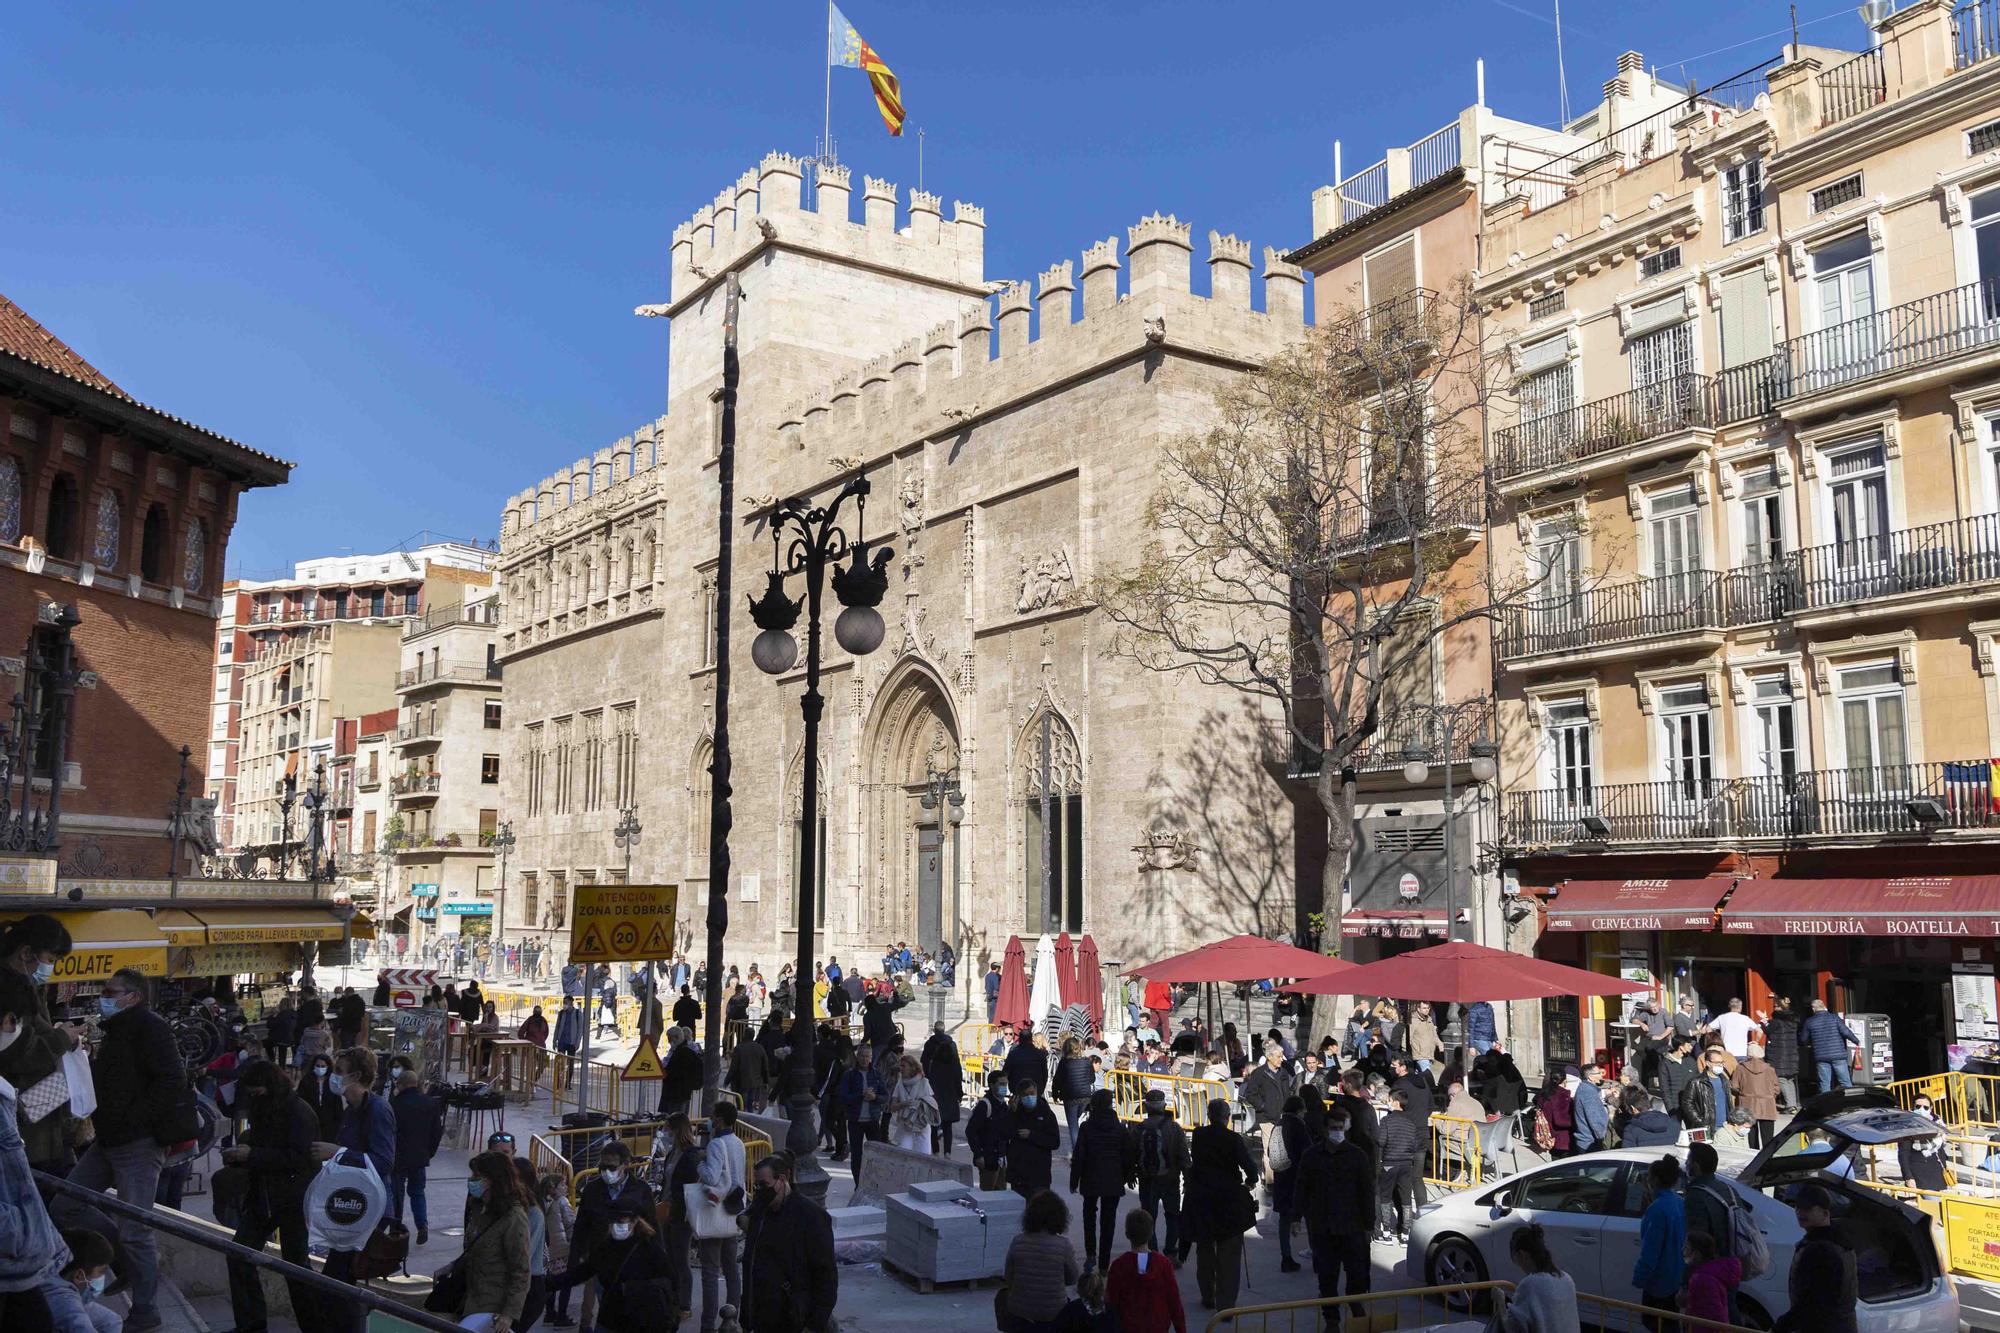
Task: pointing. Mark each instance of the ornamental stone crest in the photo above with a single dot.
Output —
(1163, 850)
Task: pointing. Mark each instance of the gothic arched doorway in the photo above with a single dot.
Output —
(906, 864)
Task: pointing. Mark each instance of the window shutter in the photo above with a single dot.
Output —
(1746, 318)
(1646, 319)
(1544, 355)
(1392, 271)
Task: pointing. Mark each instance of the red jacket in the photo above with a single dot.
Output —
(1148, 1302)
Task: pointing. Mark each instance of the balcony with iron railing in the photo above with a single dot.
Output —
(1605, 431)
(1387, 519)
(1413, 732)
(1852, 87)
(446, 674)
(486, 612)
(1667, 608)
(1935, 557)
(1403, 169)
(1915, 336)
(414, 784)
(1907, 799)
(417, 733)
(368, 779)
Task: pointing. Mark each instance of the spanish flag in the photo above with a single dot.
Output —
(846, 50)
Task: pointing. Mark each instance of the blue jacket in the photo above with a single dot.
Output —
(1663, 1232)
(419, 1128)
(1827, 1036)
(370, 1129)
(1479, 1023)
(30, 1247)
(569, 1028)
(1592, 1122)
(833, 974)
(855, 1084)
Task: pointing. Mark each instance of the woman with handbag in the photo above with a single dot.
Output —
(492, 1271)
(559, 1220)
(913, 1108)
(31, 947)
(636, 1293)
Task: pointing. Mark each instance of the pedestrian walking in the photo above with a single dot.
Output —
(1822, 1283)
(682, 1169)
(419, 1131)
(281, 1032)
(1544, 1300)
(1101, 1161)
(1032, 1139)
(986, 1133)
(139, 1079)
(1337, 1200)
(913, 1108)
(1399, 1150)
(1072, 1084)
(1140, 1286)
(680, 1076)
(1041, 1265)
(624, 1277)
(1781, 1048)
(1219, 1206)
(495, 1260)
(788, 1265)
(30, 1246)
(750, 1074)
(721, 1175)
(1287, 1146)
(992, 984)
(615, 1191)
(367, 1132)
(1590, 1120)
(1709, 1287)
(1923, 1160)
(1660, 1266)
(865, 1094)
(558, 1224)
(1160, 1157)
(946, 1073)
(275, 1152)
(1755, 1088)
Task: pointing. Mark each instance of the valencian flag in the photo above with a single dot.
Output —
(846, 50)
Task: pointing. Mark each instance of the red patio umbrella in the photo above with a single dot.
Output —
(1066, 969)
(1089, 980)
(1012, 1008)
(1239, 958)
(1461, 972)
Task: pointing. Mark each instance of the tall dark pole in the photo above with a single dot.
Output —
(719, 817)
(803, 1134)
(175, 833)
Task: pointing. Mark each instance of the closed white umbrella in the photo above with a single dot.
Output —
(1044, 994)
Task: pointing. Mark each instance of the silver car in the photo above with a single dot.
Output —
(1589, 1208)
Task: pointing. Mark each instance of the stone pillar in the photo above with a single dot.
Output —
(746, 197)
(1284, 288)
(1054, 297)
(968, 227)
(975, 337)
(1796, 107)
(834, 191)
(1159, 252)
(925, 222)
(1228, 271)
(878, 204)
(778, 181)
(1917, 47)
(939, 344)
(1100, 277)
(1014, 319)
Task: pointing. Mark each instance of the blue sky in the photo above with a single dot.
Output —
(400, 244)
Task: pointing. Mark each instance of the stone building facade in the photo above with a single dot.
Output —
(1008, 472)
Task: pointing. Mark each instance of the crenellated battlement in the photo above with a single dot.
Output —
(771, 205)
(961, 369)
(588, 488)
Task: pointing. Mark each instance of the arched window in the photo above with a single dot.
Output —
(194, 555)
(59, 529)
(104, 541)
(701, 783)
(153, 545)
(1049, 777)
(795, 801)
(10, 500)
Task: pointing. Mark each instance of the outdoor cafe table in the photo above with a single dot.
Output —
(510, 1079)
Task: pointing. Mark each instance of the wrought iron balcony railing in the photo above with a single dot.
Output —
(1415, 732)
(413, 784)
(1903, 337)
(1832, 802)
(1610, 613)
(1604, 425)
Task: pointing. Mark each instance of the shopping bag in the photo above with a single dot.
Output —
(82, 1089)
(706, 1214)
(343, 1204)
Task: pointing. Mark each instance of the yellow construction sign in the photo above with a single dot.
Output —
(623, 923)
(645, 1066)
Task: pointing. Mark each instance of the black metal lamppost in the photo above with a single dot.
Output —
(806, 538)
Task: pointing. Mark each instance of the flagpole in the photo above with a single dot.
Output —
(826, 131)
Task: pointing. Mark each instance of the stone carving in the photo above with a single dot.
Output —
(1156, 329)
(911, 496)
(768, 228)
(1164, 850)
(1045, 581)
(198, 826)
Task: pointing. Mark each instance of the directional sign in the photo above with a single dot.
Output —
(645, 1066)
(622, 923)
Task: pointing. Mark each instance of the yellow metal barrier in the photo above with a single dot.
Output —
(638, 1138)
(1456, 1160)
(1964, 1102)
(974, 1040)
(1375, 1311)
(1189, 1097)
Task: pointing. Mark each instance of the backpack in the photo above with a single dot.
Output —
(1746, 1242)
(1281, 1156)
(1152, 1149)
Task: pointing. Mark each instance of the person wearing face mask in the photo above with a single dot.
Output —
(30, 949)
(31, 1251)
(139, 1076)
(789, 1274)
(317, 1091)
(89, 1272)
(629, 1270)
(367, 1129)
(495, 1258)
(1032, 1137)
(721, 1174)
(1338, 1205)
(684, 1159)
(419, 1131)
(277, 1150)
(614, 1186)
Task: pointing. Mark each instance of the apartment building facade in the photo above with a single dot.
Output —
(1747, 718)
(260, 615)
(444, 788)
(358, 807)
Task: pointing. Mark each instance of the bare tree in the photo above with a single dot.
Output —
(1312, 547)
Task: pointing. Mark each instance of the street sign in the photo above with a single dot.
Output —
(1409, 886)
(622, 923)
(645, 1066)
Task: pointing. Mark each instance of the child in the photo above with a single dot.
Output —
(89, 1271)
(1710, 1280)
(1086, 1311)
(1140, 1286)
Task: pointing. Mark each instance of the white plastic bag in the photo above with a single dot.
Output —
(343, 1204)
(82, 1091)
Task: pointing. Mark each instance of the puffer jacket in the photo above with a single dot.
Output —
(1072, 1080)
(496, 1264)
(138, 1072)
(29, 1244)
(1104, 1158)
(1781, 1044)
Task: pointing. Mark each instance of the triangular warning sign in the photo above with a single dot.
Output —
(593, 943)
(656, 945)
(645, 1066)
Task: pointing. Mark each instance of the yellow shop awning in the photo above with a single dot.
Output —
(182, 929)
(362, 927)
(270, 925)
(105, 941)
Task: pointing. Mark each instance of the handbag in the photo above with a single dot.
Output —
(449, 1286)
(385, 1253)
(708, 1218)
(37, 1102)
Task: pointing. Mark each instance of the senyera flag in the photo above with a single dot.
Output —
(846, 50)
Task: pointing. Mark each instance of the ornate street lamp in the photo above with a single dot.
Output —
(944, 798)
(626, 836)
(1416, 772)
(806, 539)
(503, 842)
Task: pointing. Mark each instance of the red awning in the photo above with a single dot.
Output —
(1962, 906)
(1636, 904)
(1410, 924)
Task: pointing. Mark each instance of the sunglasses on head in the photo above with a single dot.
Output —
(492, 1139)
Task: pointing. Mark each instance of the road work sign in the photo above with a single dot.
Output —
(623, 923)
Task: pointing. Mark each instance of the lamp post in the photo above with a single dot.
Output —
(943, 796)
(177, 829)
(315, 801)
(805, 539)
(288, 796)
(503, 843)
(1416, 772)
(626, 835)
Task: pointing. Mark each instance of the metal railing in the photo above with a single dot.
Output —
(1445, 1304)
(1827, 802)
(1975, 33)
(1745, 392)
(1417, 732)
(419, 731)
(1932, 328)
(1677, 403)
(1433, 155)
(406, 784)
(485, 612)
(1937, 555)
(1366, 190)
(1457, 1158)
(1852, 87)
(1616, 613)
(450, 671)
(1390, 518)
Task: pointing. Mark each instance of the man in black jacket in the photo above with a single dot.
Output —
(1362, 1131)
(1677, 1070)
(350, 1015)
(1781, 1050)
(1028, 1061)
(790, 1280)
(1401, 1151)
(680, 1076)
(1339, 1208)
(419, 1131)
(277, 1153)
(986, 1133)
(878, 1020)
(1822, 1282)
(139, 1078)
(687, 1011)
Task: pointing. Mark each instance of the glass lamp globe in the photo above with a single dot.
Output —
(859, 630)
(1483, 768)
(774, 651)
(1416, 771)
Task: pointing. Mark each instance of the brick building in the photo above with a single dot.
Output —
(121, 513)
